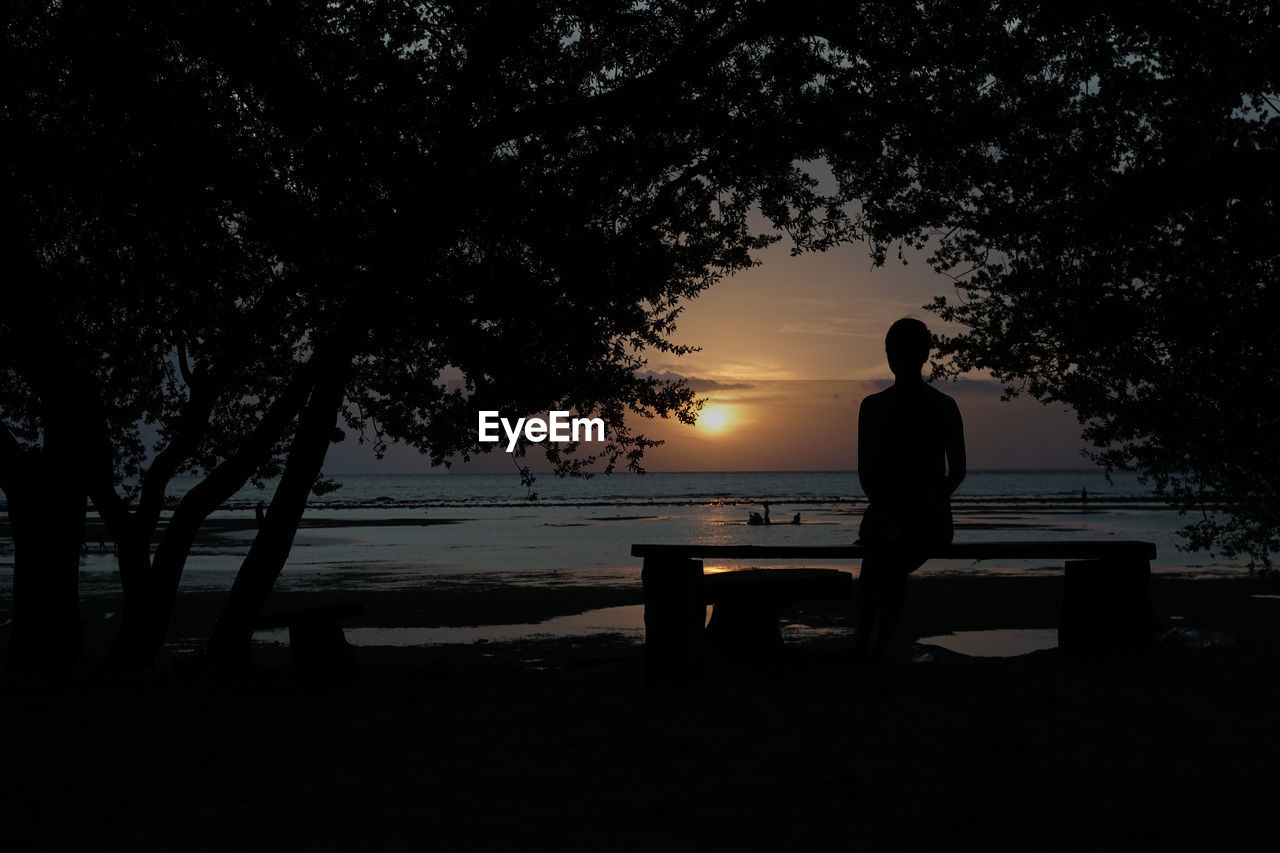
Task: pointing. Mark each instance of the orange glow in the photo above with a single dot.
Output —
(715, 418)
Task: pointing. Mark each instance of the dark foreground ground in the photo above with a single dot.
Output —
(470, 750)
(1172, 749)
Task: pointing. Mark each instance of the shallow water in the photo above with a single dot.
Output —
(1002, 643)
(545, 544)
(627, 621)
(410, 531)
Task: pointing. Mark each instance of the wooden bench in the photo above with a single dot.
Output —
(1106, 600)
(317, 646)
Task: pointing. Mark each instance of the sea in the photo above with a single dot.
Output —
(410, 531)
(396, 530)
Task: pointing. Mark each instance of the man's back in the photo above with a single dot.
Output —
(904, 436)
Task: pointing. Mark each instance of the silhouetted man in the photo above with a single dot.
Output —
(910, 459)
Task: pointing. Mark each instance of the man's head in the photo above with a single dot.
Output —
(907, 346)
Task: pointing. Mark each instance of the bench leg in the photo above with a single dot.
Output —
(1106, 606)
(674, 615)
(319, 650)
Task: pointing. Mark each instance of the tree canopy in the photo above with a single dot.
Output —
(1110, 229)
(282, 217)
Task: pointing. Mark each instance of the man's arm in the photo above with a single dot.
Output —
(868, 452)
(957, 464)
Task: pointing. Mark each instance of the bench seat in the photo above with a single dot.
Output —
(1068, 549)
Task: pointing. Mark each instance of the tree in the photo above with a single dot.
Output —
(285, 207)
(585, 201)
(1112, 240)
(128, 266)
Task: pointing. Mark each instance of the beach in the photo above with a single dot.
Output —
(480, 563)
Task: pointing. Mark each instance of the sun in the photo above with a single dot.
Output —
(713, 418)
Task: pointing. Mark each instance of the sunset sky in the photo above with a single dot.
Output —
(789, 349)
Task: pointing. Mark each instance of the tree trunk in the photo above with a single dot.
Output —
(229, 643)
(151, 583)
(145, 609)
(47, 502)
(46, 515)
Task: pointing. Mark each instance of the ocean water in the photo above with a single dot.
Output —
(393, 531)
(792, 487)
(413, 530)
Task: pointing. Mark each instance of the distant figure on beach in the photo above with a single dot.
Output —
(755, 519)
(911, 458)
(260, 513)
(1084, 498)
(766, 513)
(795, 519)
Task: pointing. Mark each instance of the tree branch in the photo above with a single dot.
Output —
(228, 476)
(701, 50)
(193, 423)
(11, 461)
(183, 366)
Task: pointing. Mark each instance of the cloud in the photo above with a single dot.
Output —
(810, 316)
(753, 371)
(699, 383)
(726, 371)
(809, 303)
(844, 327)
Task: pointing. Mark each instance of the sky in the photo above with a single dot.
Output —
(788, 350)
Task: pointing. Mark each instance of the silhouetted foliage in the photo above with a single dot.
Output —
(139, 304)
(1111, 224)
(241, 225)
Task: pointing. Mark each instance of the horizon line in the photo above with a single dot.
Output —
(452, 472)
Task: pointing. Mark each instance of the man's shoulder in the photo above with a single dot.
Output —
(940, 396)
(893, 392)
(878, 397)
(944, 403)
